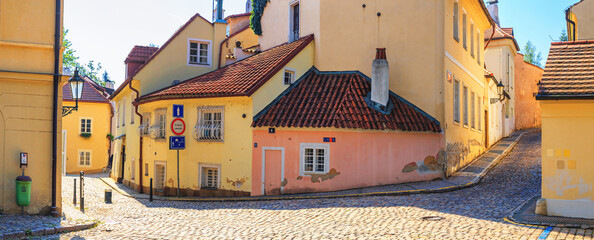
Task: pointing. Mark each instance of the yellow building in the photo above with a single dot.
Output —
(579, 20)
(434, 47)
(30, 100)
(85, 131)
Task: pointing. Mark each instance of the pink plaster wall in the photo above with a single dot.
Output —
(362, 159)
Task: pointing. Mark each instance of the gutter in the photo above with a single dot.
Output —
(226, 40)
(57, 45)
(139, 136)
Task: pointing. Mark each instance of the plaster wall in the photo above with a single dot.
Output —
(373, 158)
(247, 39)
(585, 20)
(527, 108)
(566, 156)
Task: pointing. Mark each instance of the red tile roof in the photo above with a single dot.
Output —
(140, 54)
(337, 99)
(242, 78)
(501, 33)
(89, 94)
(568, 73)
(237, 15)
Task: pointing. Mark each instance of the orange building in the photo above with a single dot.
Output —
(526, 87)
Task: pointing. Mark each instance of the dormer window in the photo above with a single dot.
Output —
(294, 21)
(199, 52)
(289, 77)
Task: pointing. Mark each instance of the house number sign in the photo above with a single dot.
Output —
(178, 126)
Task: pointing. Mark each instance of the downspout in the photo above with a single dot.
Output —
(490, 38)
(570, 22)
(140, 137)
(110, 131)
(57, 45)
(221, 52)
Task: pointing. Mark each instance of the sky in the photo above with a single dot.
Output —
(106, 30)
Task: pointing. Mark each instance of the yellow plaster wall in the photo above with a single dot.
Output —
(171, 63)
(233, 155)
(566, 149)
(128, 133)
(97, 144)
(585, 20)
(247, 39)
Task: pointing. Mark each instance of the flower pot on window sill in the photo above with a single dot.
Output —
(85, 135)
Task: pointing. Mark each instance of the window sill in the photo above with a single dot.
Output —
(199, 64)
(160, 140)
(210, 141)
(457, 40)
(456, 123)
(465, 126)
(310, 174)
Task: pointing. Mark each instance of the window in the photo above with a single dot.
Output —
(456, 101)
(124, 112)
(472, 40)
(146, 169)
(478, 47)
(479, 112)
(132, 169)
(289, 77)
(465, 105)
(228, 30)
(472, 111)
(85, 125)
(132, 110)
(464, 40)
(198, 52)
(210, 125)
(294, 21)
(209, 176)
(146, 121)
(507, 111)
(456, 22)
(84, 158)
(159, 127)
(314, 158)
(160, 175)
(118, 116)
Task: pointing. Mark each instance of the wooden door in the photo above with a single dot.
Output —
(486, 129)
(273, 172)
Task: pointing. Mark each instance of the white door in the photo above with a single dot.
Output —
(64, 137)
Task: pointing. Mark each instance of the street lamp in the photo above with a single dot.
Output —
(500, 93)
(76, 88)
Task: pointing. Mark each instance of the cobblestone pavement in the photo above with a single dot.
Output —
(473, 213)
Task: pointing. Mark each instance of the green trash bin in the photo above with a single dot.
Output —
(23, 190)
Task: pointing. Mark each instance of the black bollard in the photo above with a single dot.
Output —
(82, 191)
(151, 191)
(74, 195)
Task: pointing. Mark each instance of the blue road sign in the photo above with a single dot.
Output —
(177, 142)
(178, 111)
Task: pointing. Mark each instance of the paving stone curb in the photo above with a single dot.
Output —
(46, 231)
(472, 183)
(511, 219)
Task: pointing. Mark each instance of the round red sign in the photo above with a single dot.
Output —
(178, 126)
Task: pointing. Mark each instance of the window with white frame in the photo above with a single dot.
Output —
(472, 112)
(124, 112)
(456, 21)
(199, 52)
(478, 47)
(465, 105)
(289, 77)
(84, 158)
(294, 20)
(456, 101)
(464, 29)
(209, 176)
(314, 158)
(479, 112)
(471, 40)
(160, 175)
(85, 125)
(146, 121)
(132, 110)
(210, 124)
(159, 128)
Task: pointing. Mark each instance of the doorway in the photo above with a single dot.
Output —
(486, 127)
(123, 160)
(273, 165)
(64, 147)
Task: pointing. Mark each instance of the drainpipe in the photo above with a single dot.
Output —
(110, 131)
(57, 45)
(140, 136)
(490, 38)
(570, 22)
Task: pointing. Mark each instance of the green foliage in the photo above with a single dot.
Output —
(531, 55)
(563, 37)
(85, 135)
(110, 137)
(90, 70)
(256, 17)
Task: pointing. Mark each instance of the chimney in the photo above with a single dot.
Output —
(380, 78)
(109, 84)
(494, 10)
(248, 6)
(218, 12)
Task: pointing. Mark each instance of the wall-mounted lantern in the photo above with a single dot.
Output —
(76, 88)
(500, 93)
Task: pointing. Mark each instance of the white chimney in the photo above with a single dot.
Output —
(494, 10)
(109, 84)
(380, 78)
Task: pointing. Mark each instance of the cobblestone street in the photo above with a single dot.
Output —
(474, 213)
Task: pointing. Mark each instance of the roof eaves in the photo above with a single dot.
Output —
(120, 88)
(565, 97)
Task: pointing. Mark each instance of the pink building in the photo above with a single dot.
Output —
(327, 132)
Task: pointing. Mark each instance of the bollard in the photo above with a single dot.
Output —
(108, 196)
(151, 191)
(74, 195)
(82, 191)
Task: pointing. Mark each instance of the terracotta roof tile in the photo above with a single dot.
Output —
(569, 72)
(89, 94)
(140, 54)
(238, 79)
(337, 99)
(499, 33)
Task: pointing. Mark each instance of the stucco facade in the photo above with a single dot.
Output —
(526, 86)
(26, 102)
(581, 15)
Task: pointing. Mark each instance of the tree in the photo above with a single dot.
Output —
(531, 55)
(563, 37)
(70, 60)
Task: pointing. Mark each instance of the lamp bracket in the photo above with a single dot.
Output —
(68, 110)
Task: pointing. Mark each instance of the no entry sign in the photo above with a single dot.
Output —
(178, 126)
